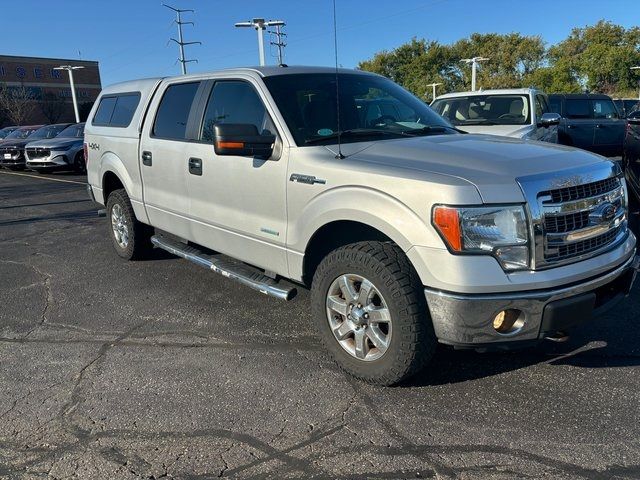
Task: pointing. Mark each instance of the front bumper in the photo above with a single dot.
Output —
(12, 162)
(56, 160)
(466, 320)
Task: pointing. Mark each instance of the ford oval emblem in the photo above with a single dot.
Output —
(605, 212)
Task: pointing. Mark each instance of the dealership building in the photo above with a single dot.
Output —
(50, 88)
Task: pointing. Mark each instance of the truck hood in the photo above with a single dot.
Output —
(52, 143)
(490, 163)
(515, 131)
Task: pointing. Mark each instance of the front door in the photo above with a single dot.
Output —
(609, 128)
(163, 157)
(579, 123)
(238, 204)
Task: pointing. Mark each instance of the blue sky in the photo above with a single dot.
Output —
(130, 38)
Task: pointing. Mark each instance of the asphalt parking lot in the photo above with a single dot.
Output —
(159, 369)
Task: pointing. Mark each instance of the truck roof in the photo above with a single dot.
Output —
(145, 84)
(495, 91)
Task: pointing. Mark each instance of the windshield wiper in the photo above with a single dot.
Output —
(479, 122)
(361, 132)
(429, 129)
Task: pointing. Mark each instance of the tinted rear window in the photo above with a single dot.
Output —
(116, 110)
(578, 108)
(105, 110)
(173, 112)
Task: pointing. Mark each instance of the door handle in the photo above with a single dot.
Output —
(571, 126)
(147, 158)
(195, 166)
(598, 125)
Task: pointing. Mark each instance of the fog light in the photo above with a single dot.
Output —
(508, 321)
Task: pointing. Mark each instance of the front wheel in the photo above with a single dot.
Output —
(131, 238)
(370, 311)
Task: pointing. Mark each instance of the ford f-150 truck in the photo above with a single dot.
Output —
(407, 231)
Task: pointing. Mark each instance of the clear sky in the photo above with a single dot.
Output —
(130, 38)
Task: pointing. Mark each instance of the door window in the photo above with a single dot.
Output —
(604, 109)
(234, 101)
(578, 108)
(555, 105)
(173, 111)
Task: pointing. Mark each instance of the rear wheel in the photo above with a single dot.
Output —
(131, 238)
(369, 308)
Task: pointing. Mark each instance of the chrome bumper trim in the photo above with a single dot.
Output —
(460, 319)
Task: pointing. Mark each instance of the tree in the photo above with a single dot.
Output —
(52, 106)
(18, 103)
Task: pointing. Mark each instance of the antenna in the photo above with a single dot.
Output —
(339, 155)
(181, 42)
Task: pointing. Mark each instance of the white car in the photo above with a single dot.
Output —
(516, 112)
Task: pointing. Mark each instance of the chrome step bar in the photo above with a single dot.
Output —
(240, 272)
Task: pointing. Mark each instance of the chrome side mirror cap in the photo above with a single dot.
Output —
(549, 119)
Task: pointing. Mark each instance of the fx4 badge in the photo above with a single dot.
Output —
(94, 146)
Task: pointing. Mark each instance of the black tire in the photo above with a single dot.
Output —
(138, 245)
(413, 341)
(79, 165)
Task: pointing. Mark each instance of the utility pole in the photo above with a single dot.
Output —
(260, 25)
(474, 65)
(181, 43)
(70, 69)
(280, 42)
(637, 68)
(434, 85)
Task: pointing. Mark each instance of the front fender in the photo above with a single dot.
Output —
(365, 205)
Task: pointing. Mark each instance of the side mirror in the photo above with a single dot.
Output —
(242, 140)
(549, 119)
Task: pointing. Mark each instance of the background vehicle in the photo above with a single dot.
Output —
(6, 131)
(517, 113)
(631, 157)
(64, 151)
(626, 105)
(408, 232)
(13, 151)
(589, 121)
(12, 147)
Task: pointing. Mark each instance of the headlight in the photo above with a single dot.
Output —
(501, 231)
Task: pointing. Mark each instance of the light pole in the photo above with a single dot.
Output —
(260, 25)
(434, 85)
(70, 69)
(637, 68)
(474, 65)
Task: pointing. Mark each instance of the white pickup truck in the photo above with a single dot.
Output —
(407, 231)
(510, 112)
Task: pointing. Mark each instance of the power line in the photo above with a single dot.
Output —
(181, 43)
(280, 42)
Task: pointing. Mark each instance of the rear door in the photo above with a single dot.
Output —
(163, 156)
(609, 128)
(579, 122)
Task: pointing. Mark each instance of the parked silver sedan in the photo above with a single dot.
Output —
(64, 152)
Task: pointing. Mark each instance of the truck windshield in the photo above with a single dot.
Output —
(485, 109)
(371, 108)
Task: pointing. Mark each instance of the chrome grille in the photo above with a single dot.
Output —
(34, 152)
(566, 223)
(582, 247)
(576, 215)
(587, 190)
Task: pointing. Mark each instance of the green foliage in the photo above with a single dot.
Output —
(596, 57)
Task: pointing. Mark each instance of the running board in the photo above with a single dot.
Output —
(240, 272)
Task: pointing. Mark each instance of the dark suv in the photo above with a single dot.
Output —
(590, 122)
